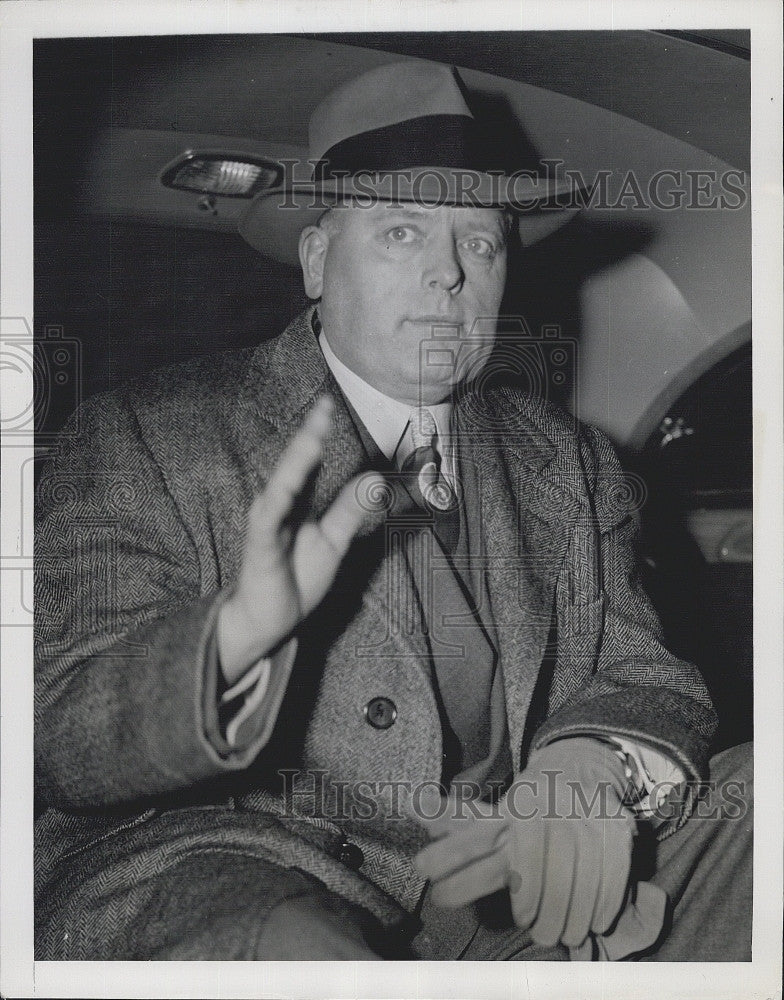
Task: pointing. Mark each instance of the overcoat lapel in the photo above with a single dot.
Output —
(527, 519)
(527, 516)
(285, 379)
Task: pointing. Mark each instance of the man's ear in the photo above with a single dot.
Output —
(313, 242)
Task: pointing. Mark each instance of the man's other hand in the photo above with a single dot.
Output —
(287, 568)
(560, 840)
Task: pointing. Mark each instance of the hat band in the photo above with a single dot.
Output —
(430, 140)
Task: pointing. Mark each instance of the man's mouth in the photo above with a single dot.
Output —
(436, 320)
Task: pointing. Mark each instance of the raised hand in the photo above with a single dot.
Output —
(560, 841)
(287, 568)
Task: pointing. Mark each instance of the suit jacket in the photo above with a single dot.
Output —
(139, 534)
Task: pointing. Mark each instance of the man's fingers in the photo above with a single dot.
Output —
(526, 852)
(614, 863)
(344, 517)
(295, 466)
(559, 875)
(467, 844)
(479, 879)
(588, 875)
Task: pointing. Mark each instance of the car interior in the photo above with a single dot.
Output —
(636, 315)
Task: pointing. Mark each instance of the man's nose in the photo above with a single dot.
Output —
(443, 269)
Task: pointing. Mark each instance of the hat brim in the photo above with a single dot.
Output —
(273, 221)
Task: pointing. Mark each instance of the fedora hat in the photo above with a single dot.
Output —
(401, 132)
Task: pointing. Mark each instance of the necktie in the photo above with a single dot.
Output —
(463, 657)
(429, 487)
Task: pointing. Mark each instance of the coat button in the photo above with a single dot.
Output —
(380, 713)
(351, 856)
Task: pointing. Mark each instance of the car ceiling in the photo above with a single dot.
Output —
(265, 87)
(674, 303)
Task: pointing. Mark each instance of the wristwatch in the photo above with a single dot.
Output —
(643, 795)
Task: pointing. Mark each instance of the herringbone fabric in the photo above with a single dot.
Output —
(139, 525)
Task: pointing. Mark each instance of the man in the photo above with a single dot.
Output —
(285, 594)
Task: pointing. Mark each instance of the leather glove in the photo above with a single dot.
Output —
(560, 840)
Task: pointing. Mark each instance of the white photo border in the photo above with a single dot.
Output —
(20, 23)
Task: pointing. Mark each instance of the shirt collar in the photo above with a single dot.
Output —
(385, 418)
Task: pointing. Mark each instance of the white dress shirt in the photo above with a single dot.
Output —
(386, 419)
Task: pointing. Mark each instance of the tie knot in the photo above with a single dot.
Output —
(423, 428)
(422, 466)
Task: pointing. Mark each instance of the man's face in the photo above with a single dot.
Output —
(392, 278)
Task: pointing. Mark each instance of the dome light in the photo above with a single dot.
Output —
(231, 176)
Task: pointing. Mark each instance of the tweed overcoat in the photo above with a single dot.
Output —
(140, 521)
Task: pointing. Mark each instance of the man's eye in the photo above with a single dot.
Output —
(479, 247)
(400, 234)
